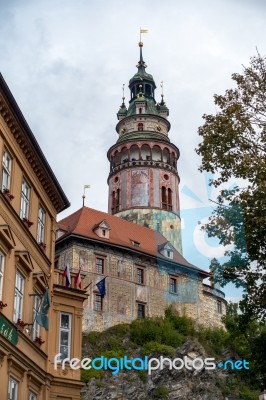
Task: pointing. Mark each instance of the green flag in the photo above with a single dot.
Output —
(42, 315)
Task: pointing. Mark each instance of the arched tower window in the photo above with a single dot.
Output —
(156, 153)
(166, 156)
(117, 203)
(113, 202)
(173, 159)
(116, 159)
(145, 152)
(140, 125)
(134, 153)
(169, 198)
(164, 199)
(124, 155)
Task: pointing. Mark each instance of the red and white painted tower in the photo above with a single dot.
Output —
(143, 179)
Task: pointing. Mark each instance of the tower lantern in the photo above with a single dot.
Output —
(143, 179)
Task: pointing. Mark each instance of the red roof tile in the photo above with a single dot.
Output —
(122, 233)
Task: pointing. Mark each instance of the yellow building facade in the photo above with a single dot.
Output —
(30, 199)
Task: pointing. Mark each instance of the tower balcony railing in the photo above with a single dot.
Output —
(144, 163)
(213, 291)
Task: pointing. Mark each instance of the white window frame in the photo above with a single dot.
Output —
(36, 309)
(19, 295)
(25, 199)
(41, 225)
(2, 270)
(65, 330)
(6, 172)
(32, 396)
(14, 395)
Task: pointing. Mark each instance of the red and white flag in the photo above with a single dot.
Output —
(78, 279)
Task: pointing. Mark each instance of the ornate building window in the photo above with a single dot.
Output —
(36, 309)
(173, 285)
(6, 173)
(25, 200)
(99, 265)
(98, 302)
(32, 396)
(65, 335)
(141, 310)
(19, 294)
(41, 221)
(140, 276)
(12, 389)
(219, 306)
(2, 265)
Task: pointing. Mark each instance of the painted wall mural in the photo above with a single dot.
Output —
(140, 188)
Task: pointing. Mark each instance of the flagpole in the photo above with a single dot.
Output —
(83, 197)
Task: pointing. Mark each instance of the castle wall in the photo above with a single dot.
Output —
(123, 293)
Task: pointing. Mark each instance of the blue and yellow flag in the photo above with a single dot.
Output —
(101, 286)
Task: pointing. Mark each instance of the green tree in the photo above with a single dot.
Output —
(234, 145)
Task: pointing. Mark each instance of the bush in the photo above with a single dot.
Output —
(145, 330)
(182, 324)
(155, 330)
(92, 337)
(155, 347)
(118, 330)
(215, 338)
(110, 343)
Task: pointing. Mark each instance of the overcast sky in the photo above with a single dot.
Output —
(65, 62)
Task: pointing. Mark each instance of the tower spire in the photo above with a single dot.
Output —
(123, 97)
(141, 64)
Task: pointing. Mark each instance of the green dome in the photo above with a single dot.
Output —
(140, 75)
(122, 110)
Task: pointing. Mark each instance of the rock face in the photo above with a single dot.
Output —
(172, 384)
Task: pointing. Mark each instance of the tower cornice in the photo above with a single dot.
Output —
(138, 116)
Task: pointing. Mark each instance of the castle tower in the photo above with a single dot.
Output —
(143, 179)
